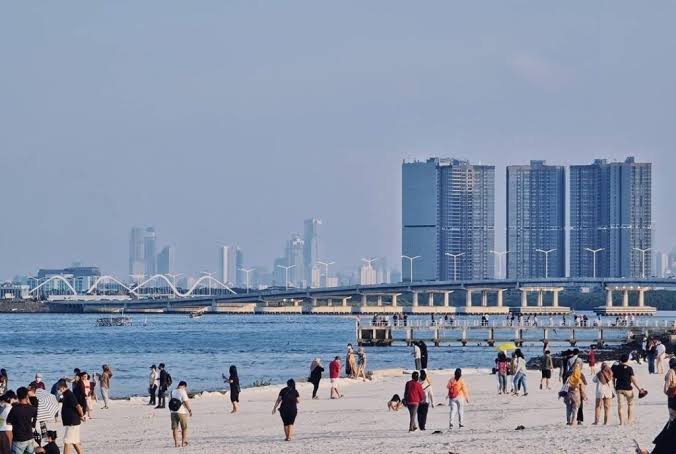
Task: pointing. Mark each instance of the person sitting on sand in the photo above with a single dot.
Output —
(395, 403)
(287, 401)
(179, 405)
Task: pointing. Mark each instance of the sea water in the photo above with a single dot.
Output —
(263, 347)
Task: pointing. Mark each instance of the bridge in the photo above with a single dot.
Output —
(540, 296)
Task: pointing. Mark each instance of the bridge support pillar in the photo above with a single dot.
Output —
(329, 302)
(364, 300)
(345, 302)
(524, 298)
(499, 297)
(541, 298)
(555, 298)
(415, 298)
(468, 298)
(446, 299)
(430, 299)
(394, 300)
(609, 298)
(380, 300)
(641, 297)
(314, 302)
(625, 298)
(484, 298)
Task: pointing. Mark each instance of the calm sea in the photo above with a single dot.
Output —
(198, 351)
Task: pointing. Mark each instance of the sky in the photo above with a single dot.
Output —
(233, 121)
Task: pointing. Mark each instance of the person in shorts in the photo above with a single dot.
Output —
(546, 371)
(180, 413)
(625, 381)
(72, 415)
(334, 375)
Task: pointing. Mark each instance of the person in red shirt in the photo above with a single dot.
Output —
(591, 359)
(413, 396)
(334, 375)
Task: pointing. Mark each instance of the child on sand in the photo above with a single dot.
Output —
(395, 403)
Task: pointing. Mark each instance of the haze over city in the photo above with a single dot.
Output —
(234, 123)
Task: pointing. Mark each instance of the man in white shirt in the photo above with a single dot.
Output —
(179, 405)
(660, 353)
(154, 381)
(418, 356)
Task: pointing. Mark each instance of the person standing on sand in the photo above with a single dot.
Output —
(6, 400)
(179, 405)
(348, 365)
(104, 380)
(38, 383)
(334, 375)
(604, 393)
(625, 380)
(670, 382)
(361, 363)
(591, 359)
(575, 393)
(233, 381)
(4, 381)
(546, 371)
(165, 383)
(22, 418)
(502, 368)
(426, 383)
(417, 355)
(287, 401)
(413, 396)
(80, 393)
(665, 440)
(457, 393)
(520, 378)
(71, 416)
(153, 380)
(316, 370)
(661, 352)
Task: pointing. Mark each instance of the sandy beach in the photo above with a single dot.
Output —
(360, 421)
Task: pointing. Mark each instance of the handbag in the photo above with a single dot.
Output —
(564, 391)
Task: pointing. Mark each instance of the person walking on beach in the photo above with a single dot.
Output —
(546, 371)
(502, 368)
(625, 381)
(575, 393)
(591, 359)
(315, 377)
(153, 381)
(233, 381)
(660, 352)
(650, 348)
(361, 364)
(520, 378)
(458, 396)
(334, 375)
(413, 395)
(670, 382)
(22, 418)
(6, 400)
(179, 406)
(80, 392)
(287, 401)
(426, 383)
(72, 415)
(165, 383)
(417, 355)
(104, 380)
(604, 393)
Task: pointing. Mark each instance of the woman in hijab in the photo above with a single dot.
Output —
(233, 380)
(575, 394)
(316, 370)
(604, 393)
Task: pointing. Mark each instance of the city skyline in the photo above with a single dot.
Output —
(297, 127)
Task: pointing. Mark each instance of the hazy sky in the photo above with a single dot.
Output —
(225, 121)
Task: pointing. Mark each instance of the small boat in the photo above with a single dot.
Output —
(198, 313)
(114, 321)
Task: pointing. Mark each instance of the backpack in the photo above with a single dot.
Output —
(175, 404)
(169, 381)
(454, 390)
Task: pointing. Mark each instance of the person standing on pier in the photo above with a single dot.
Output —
(316, 370)
(104, 380)
(153, 381)
(334, 375)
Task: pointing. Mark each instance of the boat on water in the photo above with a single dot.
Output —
(114, 321)
(198, 313)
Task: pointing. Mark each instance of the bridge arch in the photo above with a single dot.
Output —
(110, 278)
(56, 278)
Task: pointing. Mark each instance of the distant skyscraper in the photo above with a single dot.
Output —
(295, 249)
(611, 208)
(536, 219)
(239, 264)
(382, 271)
(149, 251)
(136, 251)
(166, 260)
(311, 245)
(227, 264)
(661, 264)
(448, 206)
(367, 275)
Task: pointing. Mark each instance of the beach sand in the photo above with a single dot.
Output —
(360, 421)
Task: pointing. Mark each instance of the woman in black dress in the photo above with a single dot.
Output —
(233, 380)
(288, 401)
(316, 370)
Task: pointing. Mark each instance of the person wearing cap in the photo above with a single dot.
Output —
(665, 440)
(153, 381)
(37, 383)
